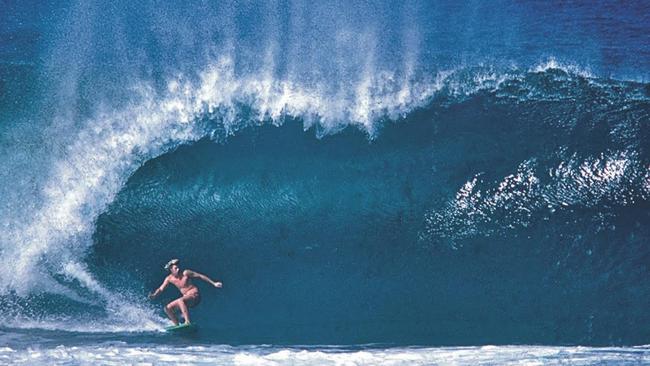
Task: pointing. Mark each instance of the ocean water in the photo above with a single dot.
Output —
(374, 183)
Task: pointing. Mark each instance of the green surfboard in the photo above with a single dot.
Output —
(181, 328)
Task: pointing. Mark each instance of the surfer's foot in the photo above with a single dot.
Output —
(186, 323)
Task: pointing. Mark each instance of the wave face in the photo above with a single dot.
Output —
(353, 174)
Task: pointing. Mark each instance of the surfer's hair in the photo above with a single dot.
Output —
(171, 263)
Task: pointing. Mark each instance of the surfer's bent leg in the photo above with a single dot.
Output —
(183, 307)
(169, 310)
(190, 299)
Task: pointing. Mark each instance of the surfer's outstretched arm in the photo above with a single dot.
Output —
(160, 289)
(205, 278)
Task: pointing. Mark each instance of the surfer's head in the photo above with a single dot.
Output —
(172, 266)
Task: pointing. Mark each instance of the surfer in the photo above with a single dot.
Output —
(190, 293)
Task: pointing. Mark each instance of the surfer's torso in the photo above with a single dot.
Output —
(184, 283)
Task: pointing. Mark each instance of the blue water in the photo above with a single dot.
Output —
(378, 183)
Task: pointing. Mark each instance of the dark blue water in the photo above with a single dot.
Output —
(430, 174)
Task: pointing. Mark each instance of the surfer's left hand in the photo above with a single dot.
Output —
(218, 284)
